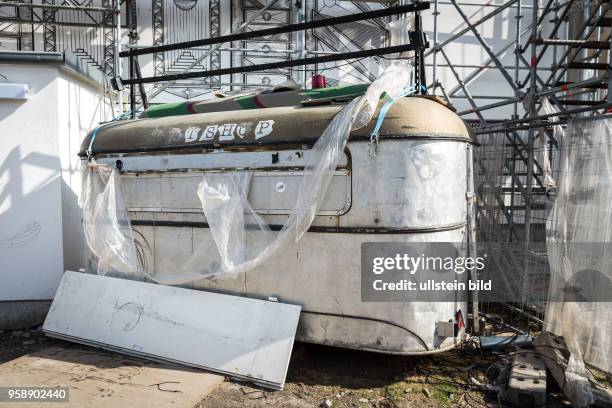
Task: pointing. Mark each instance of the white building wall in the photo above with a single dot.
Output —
(31, 253)
(40, 220)
(81, 107)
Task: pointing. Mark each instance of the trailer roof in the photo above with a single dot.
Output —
(411, 117)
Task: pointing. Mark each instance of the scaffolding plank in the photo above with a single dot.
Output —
(245, 338)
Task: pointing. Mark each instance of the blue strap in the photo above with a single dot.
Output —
(89, 150)
(91, 142)
(385, 108)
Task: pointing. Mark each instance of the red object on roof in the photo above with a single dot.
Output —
(319, 81)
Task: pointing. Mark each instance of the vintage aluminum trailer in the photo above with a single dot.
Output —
(416, 189)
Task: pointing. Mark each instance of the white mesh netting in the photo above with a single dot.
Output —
(579, 232)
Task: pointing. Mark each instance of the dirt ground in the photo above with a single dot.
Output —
(331, 377)
(16, 343)
(322, 376)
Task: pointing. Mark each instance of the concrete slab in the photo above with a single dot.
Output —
(102, 379)
(555, 353)
(244, 338)
(527, 385)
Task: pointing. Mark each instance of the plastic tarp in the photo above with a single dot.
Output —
(242, 239)
(579, 235)
(520, 275)
(544, 151)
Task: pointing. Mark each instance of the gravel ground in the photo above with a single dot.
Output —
(322, 376)
(17, 343)
(331, 377)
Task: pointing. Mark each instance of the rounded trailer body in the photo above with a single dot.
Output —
(413, 190)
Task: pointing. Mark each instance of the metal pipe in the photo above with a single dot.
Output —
(581, 36)
(609, 72)
(527, 198)
(466, 92)
(474, 24)
(434, 75)
(273, 65)
(539, 125)
(550, 91)
(58, 23)
(488, 4)
(199, 84)
(472, 76)
(575, 43)
(118, 65)
(266, 50)
(553, 32)
(31, 56)
(282, 29)
(588, 82)
(517, 47)
(486, 47)
(471, 233)
(544, 12)
(262, 50)
(503, 126)
(55, 7)
(477, 109)
(540, 81)
(482, 67)
(132, 90)
(556, 18)
(483, 97)
(313, 52)
(302, 41)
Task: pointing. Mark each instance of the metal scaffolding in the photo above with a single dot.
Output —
(157, 7)
(215, 31)
(49, 27)
(88, 31)
(562, 55)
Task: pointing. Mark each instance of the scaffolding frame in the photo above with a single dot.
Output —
(520, 199)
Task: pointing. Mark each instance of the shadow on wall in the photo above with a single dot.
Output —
(9, 108)
(31, 224)
(82, 117)
(30, 266)
(23, 237)
(73, 235)
(12, 197)
(24, 215)
(41, 231)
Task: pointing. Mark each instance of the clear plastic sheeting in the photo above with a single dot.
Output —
(491, 180)
(107, 228)
(547, 175)
(579, 235)
(399, 34)
(499, 231)
(241, 238)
